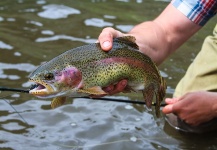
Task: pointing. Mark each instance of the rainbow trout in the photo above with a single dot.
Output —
(87, 69)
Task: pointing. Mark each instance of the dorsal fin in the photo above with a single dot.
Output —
(129, 40)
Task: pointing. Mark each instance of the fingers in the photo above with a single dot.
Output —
(119, 87)
(169, 108)
(171, 100)
(113, 89)
(109, 88)
(106, 37)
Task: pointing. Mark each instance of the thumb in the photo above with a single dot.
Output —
(171, 100)
(167, 109)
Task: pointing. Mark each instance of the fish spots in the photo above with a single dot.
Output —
(88, 66)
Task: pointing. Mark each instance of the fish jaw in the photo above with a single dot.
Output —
(43, 90)
(63, 82)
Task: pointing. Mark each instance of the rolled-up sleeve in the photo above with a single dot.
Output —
(198, 11)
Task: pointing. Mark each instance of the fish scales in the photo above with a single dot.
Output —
(87, 69)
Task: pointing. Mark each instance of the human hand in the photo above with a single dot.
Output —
(194, 108)
(113, 88)
(106, 37)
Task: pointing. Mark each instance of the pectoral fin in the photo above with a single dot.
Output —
(96, 90)
(57, 101)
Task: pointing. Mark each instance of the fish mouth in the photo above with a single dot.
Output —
(42, 90)
(37, 86)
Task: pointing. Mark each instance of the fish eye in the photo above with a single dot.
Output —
(49, 76)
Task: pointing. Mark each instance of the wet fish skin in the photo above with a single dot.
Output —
(87, 69)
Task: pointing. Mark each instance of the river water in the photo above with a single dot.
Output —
(34, 31)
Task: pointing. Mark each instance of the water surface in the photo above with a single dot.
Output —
(34, 31)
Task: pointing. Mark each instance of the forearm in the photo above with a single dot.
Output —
(162, 36)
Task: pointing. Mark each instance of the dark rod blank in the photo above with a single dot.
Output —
(102, 98)
(13, 89)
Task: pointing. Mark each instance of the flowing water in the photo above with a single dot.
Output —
(34, 31)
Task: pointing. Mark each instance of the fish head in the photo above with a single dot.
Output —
(54, 82)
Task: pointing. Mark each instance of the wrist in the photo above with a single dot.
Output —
(147, 34)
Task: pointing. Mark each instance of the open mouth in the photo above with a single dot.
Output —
(37, 87)
(42, 91)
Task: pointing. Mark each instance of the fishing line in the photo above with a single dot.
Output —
(16, 112)
(101, 99)
(22, 118)
(74, 146)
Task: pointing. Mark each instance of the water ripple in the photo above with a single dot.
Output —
(54, 11)
(124, 28)
(1, 18)
(47, 32)
(65, 37)
(21, 67)
(97, 22)
(5, 46)
(35, 23)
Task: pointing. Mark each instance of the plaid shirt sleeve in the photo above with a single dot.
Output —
(198, 11)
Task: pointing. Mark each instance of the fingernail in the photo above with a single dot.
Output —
(106, 44)
(168, 100)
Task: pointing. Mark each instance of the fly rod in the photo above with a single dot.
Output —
(102, 98)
